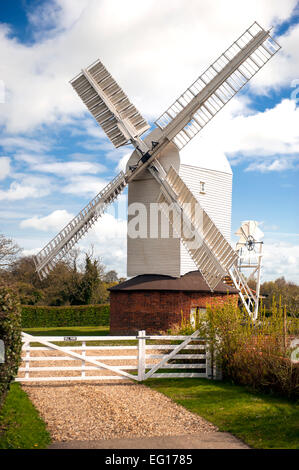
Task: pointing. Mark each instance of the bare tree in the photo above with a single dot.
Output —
(9, 251)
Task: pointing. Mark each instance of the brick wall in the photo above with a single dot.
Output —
(155, 311)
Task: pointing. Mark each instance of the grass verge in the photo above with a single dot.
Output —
(20, 424)
(262, 421)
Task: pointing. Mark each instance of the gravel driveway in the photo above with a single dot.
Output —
(99, 411)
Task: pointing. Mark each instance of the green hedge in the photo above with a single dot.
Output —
(10, 334)
(34, 316)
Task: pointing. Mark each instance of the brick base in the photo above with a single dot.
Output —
(156, 311)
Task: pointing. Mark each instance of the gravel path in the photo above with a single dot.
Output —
(101, 411)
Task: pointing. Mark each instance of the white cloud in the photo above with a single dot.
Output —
(54, 221)
(4, 167)
(31, 252)
(145, 45)
(275, 165)
(121, 166)
(283, 69)
(280, 259)
(84, 185)
(23, 143)
(269, 140)
(18, 191)
(67, 169)
(109, 237)
(154, 50)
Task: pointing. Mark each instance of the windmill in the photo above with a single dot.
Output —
(210, 251)
(249, 248)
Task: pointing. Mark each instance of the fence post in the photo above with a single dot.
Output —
(83, 362)
(209, 372)
(213, 367)
(27, 359)
(141, 355)
(218, 371)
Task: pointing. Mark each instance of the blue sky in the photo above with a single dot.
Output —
(54, 158)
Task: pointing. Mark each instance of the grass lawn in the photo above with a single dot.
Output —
(20, 424)
(262, 421)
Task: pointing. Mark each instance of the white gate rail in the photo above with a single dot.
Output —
(188, 358)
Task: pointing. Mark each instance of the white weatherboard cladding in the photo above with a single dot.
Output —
(216, 201)
(169, 256)
(152, 255)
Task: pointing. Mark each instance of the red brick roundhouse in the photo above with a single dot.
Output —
(155, 303)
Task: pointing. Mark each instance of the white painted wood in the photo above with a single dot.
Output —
(217, 198)
(83, 362)
(181, 366)
(66, 358)
(125, 367)
(173, 353)
(216, 201)
(141, 364)
(40, 339)
(173, 338)
(70, 368)
(27, 360)
(172, 346)
(151, 254)
(141, 355)
(63, 379)
(179, 356)
(78, 356)
(87, 348)
(179, 375)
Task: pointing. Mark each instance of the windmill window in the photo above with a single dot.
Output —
(202, 187)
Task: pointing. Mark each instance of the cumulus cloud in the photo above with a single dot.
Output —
(54, 221)
(154, 50)
(283, 69)
(23, 143)
(70, 168)
(27, 187)
(275, 165)
(134, 39)
(109, 237)
(269, 140)
(84, 185)
(281, 258)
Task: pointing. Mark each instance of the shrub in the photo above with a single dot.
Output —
(10, 334)
(34, 316)
(251, 353)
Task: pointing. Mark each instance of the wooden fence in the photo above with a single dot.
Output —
(57, 358)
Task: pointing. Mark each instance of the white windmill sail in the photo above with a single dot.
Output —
(249, 228)
(49, 256)
(208, 248)
(217, 85)
(109, 105)
(211, 252)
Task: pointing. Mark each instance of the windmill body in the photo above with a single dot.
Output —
(159, 250)
(155, 175)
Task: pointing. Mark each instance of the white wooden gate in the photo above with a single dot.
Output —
(112, 357)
